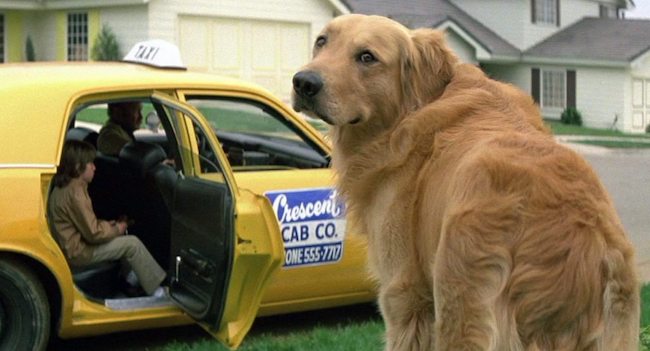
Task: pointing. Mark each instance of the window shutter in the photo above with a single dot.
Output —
(557, 11)
(570, 88)
(535, 82)
(532, 11)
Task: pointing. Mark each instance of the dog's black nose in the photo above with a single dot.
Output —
(307, 83)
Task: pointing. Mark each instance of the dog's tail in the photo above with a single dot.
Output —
(590, 299)
(621, 303)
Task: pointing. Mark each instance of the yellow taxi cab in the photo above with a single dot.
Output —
(245, 221)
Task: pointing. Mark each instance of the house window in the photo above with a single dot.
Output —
(546, 11)
(553, 89)
(2, 38)
(78, 36)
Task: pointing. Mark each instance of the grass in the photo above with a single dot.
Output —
(356, 337)
(645, 305)
(617, 144)
(352, 337)
(645, 319)
(602, 137)
(559, 128)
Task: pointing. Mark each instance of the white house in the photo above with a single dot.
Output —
(264, 41)
(566, 53)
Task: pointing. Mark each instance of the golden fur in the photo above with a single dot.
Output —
(483, 232)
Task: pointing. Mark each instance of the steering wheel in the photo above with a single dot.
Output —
(207, 166)
(207, 156)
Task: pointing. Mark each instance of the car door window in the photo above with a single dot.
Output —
(256, 137)
(201, 221)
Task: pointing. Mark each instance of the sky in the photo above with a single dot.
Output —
(642, 10)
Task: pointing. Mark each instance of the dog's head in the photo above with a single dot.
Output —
(370, 69)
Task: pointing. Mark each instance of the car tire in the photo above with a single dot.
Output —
(24, 309)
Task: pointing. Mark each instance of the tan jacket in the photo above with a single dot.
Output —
(76, 228)
(112, 138)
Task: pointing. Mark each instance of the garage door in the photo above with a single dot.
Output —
(640, 103)
(265, 52)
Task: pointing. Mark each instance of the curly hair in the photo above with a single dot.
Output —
(76, 155)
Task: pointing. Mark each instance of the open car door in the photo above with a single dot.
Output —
(224, 244)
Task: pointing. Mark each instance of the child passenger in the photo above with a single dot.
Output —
(85, 239)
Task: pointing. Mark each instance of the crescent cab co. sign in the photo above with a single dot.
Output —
(312, 224)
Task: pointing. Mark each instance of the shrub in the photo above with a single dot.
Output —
(572, 116)
(644, 338)
(30, 54)
(647, 128)
(106, 47)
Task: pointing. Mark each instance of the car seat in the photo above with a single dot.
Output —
(82, 134)
(150, 196)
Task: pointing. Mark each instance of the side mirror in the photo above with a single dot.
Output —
(153, 121)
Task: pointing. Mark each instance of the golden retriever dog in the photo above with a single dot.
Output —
(483, 232)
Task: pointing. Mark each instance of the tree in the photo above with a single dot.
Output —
(106, 47)
(30, 54)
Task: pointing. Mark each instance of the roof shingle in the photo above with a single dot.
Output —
(431, 13)
(598, 39)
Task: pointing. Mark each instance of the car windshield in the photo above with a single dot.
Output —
(236, 117)
(254, 128)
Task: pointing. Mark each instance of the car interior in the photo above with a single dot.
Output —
(138, 184)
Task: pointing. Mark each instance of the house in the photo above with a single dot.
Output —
(261, 41)
(566, 53)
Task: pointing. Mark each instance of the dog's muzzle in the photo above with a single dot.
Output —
(307, 84)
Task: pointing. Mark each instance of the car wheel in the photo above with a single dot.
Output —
(24, 309)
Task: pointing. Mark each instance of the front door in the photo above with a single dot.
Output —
(276, 154)
(216, 277)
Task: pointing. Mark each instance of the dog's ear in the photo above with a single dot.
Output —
(427, 67)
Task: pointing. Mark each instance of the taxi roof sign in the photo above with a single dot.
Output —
(157, 53)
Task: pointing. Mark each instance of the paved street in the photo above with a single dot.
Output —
(626, 175)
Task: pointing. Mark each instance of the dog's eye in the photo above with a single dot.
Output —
(320, 41)
(367, 57)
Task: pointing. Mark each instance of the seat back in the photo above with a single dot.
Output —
(147, 198)
(107, 190)
(139, 157)
(82, 134)
(165, 178)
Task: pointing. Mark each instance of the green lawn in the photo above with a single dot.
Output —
(645, 318)
(352, 337)
(601, 137)
(565, 129)
(93, 115)
(357, 336)
(617, 144)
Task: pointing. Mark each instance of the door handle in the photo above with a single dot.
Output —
(179, 260)
(195, 262)
(199, 265)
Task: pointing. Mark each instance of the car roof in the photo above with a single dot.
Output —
(35, 99)
(106, 74)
